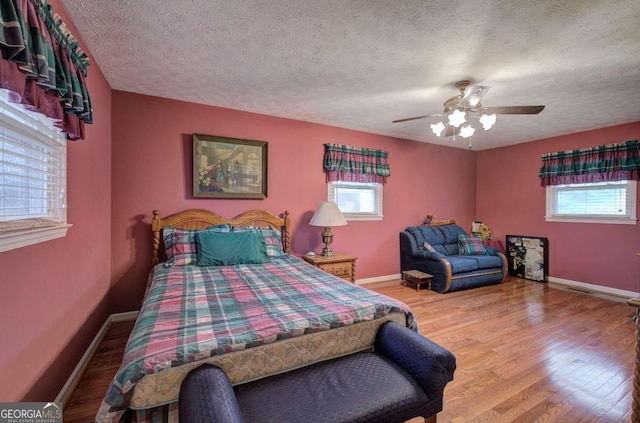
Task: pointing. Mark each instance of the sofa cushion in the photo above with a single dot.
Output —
(487, 262)
(443, 239)
(451, 233)
(462, 264)
(424, 234)
(449, 249)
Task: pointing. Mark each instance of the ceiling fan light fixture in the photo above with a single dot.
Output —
(457, 118)
(466, 108)
(437, 128)
(488, 121)
(466, 131)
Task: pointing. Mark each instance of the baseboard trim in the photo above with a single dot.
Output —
(390, 280)
(123, 317)
(379, 281)
(593, 289)
(67, 390)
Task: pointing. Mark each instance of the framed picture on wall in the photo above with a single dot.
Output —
(229, 167)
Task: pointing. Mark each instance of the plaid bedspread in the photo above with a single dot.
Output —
(191, 313)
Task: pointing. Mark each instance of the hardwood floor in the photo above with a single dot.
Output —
(525, 352)
(87, 396)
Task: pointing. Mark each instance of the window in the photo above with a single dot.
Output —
(598, 202)
(33, 159)
(357, 201)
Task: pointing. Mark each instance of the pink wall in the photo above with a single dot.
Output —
(151, 170)
(53, 294)
(511, 201)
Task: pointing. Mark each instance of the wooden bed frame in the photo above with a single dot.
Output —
(201, 219)
(338, 341)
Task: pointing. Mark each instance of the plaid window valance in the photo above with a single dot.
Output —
(355, 164)
(42, 65)
(611, 162)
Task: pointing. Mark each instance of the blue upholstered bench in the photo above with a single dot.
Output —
(404, 377)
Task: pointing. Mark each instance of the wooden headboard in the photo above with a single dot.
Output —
(201, 219)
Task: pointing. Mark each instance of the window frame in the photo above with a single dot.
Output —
(21, 128)
(376, 188)
(629, 219)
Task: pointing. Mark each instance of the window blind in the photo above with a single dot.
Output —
(604, 202)
(32, 169)
(357, 200)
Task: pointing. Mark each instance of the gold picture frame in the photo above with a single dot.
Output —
(229, 167)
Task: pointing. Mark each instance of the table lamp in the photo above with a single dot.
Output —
(327, 215)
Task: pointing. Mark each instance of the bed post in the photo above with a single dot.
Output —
(155, 227)
(286, 242)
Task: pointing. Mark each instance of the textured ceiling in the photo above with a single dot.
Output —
(360, 64)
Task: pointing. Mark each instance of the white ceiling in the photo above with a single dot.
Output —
(360, 64)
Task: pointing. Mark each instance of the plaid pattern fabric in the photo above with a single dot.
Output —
(272, 238)
(355, 164)
(167, 240)
(47, 56)
(470, 246)
(185, 248)
(611, 162)
(168, 413)
(180, 245)
(191, 312)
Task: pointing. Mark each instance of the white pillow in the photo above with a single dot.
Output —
(428, 247)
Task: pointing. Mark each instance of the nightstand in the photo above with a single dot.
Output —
(340, 265)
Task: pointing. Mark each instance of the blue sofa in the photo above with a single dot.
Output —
(451, 271)
(402, 378)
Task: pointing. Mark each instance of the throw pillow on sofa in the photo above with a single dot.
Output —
(470, 246)
(428, 247)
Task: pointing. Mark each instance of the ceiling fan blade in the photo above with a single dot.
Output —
(473, 95)
(411, 118)
(513, 110)
(449, 132)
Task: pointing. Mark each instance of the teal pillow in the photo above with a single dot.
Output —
(272, 238)
(229, 248)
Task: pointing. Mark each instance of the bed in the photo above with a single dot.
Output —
(252, 319)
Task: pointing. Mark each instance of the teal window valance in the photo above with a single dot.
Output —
(42, 65)
(611, 162)
(355, 164)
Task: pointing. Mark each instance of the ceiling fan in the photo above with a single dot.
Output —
(462, 111)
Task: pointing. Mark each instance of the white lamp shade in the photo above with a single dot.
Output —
(437, 128)
(328, 214)
(466, 131)
(487, 121)
(457, 118)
